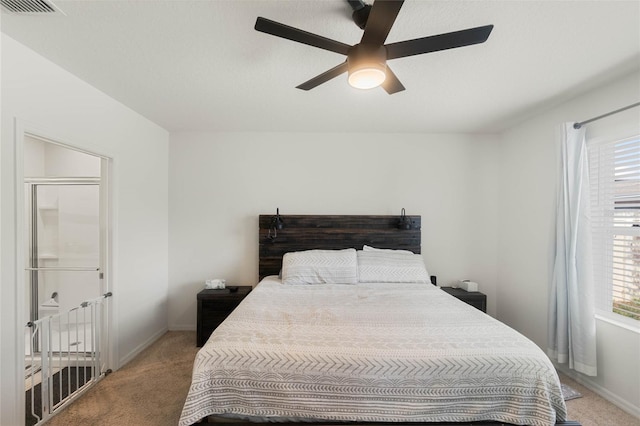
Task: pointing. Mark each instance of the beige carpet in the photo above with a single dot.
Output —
(151, 389)
(593, 410)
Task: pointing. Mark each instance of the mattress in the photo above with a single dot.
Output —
(369, 352)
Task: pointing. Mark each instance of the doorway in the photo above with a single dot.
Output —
(66, 290)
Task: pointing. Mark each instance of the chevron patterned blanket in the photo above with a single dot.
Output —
(372, 353)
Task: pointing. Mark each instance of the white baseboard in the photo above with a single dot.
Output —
(622, 403)
(142, 346)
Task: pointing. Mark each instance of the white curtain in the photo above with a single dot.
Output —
(572, 328)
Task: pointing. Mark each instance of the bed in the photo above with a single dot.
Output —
(367, 352)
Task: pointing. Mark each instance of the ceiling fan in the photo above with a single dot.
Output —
(366, 61)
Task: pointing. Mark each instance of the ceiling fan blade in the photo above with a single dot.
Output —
(324, 77)
(391, 83)
(281, 30)
(438, 42)
(383, 15)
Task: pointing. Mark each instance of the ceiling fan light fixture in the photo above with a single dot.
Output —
(367, 66)
(368, 76)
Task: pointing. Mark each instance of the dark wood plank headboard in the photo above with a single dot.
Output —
(306, 232)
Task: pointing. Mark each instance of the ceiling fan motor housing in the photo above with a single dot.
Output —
(361, 15)
(366, 58)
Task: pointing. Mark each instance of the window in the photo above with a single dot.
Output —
(614, 171)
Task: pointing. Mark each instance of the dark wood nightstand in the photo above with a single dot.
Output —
(473, 298)
(214, 306)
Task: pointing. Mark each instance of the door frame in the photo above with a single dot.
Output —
(23, 130)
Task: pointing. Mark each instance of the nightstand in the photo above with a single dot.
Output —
(473, 298)
(214, 306)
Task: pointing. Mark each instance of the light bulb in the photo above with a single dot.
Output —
(367, 77)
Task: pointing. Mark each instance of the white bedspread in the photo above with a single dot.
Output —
(370, 352)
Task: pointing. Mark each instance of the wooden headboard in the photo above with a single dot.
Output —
(306, 232)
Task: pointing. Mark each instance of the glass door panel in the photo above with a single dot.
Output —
(68, 226)
(65, 246)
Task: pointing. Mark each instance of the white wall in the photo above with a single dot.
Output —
(220, 182)
(49, 100)
(529, 163)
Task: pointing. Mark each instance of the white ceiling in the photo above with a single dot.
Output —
(200, 65)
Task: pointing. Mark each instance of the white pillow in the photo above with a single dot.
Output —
(369, 248)
(388, 267)
(320, 267)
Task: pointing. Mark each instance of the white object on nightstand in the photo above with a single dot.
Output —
(215, 284)
(468, 285)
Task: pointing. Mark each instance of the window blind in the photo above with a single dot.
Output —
(614, 172)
